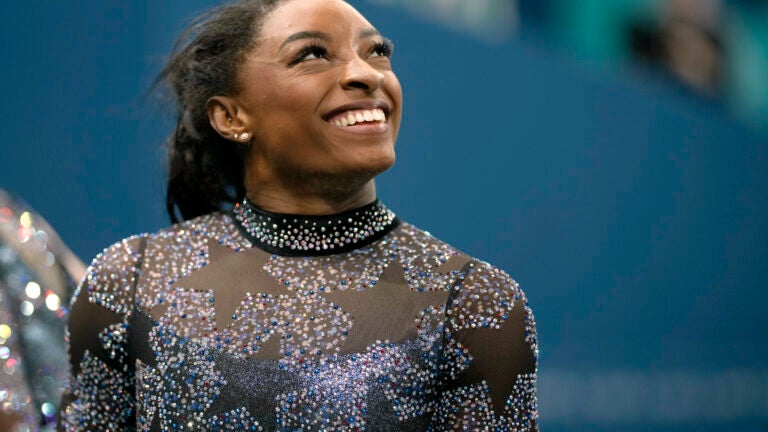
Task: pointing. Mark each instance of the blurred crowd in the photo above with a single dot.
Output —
(716, 49)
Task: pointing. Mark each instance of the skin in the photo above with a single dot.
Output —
(298, 162)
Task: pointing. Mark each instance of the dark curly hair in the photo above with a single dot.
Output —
(206, 171)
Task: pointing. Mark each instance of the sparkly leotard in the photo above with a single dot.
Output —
(252, 320)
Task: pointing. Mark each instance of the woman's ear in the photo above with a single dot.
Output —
(224, 117)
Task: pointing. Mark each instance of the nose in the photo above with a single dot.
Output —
(359, 74)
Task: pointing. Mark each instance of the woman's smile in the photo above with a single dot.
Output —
(369, 117)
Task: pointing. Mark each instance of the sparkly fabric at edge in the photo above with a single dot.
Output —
(260, 321)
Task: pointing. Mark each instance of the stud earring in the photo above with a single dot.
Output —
(244, 136)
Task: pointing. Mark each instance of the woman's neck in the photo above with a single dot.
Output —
(310, 202)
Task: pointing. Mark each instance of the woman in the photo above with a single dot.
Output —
(309, 305)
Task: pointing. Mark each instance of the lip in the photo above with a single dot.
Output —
(361, 105)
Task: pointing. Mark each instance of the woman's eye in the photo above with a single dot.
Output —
(310, 53)
(382, 49)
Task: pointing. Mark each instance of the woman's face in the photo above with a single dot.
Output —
(319, 95)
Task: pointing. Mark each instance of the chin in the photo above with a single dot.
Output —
(380, 163)
(362, 172)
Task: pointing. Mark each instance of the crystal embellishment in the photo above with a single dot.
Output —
(315, 235)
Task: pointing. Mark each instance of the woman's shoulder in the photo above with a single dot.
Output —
(473, 276)
(218, 226)
(475, 271)
(482, 295)
(111, 271)
(213, 225)
(120, 261)
(114, 256)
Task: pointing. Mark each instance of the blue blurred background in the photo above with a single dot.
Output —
(610, 155)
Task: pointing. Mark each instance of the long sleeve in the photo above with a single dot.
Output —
(101, 392)
(492, 344)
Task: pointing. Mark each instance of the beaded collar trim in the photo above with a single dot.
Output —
(303, 235)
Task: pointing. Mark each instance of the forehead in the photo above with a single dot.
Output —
(311, 15)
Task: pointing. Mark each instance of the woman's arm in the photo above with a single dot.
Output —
(101, 392)
(491, 343)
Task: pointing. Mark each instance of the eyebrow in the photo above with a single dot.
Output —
(324, 36)
(369, 33)
(305, 35)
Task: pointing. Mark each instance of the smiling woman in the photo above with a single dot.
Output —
(314, 67)
(290, 298)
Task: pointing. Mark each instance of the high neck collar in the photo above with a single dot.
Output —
(305, 235)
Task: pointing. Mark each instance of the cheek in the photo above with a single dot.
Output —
(296, 88)
(286, 103)
(266, 89)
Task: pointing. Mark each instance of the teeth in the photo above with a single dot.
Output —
(350, 118)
